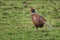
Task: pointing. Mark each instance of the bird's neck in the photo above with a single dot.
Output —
(33, 13)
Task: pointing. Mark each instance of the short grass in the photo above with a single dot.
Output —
(16, 22)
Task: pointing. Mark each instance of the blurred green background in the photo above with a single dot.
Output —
(16, 22)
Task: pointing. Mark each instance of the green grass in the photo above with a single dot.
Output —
(16, 23)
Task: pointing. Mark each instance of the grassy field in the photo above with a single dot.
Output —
(16, 23)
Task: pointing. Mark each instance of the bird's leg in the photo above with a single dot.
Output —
(36, 33)
(36, 30)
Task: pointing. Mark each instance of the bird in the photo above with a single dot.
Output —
(37, 19)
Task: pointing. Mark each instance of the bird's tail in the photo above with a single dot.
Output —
(49, 27)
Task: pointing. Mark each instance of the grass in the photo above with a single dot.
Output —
(16, 23)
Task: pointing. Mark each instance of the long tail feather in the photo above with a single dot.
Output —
(49, 27)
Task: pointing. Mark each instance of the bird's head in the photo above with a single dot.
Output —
(32, 10)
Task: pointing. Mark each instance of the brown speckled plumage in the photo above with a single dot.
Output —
(37, 20)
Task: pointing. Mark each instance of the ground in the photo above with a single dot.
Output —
(16, 22)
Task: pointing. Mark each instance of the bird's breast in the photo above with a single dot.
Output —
(35, 19)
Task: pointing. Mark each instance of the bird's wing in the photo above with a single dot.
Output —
(42, 18)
